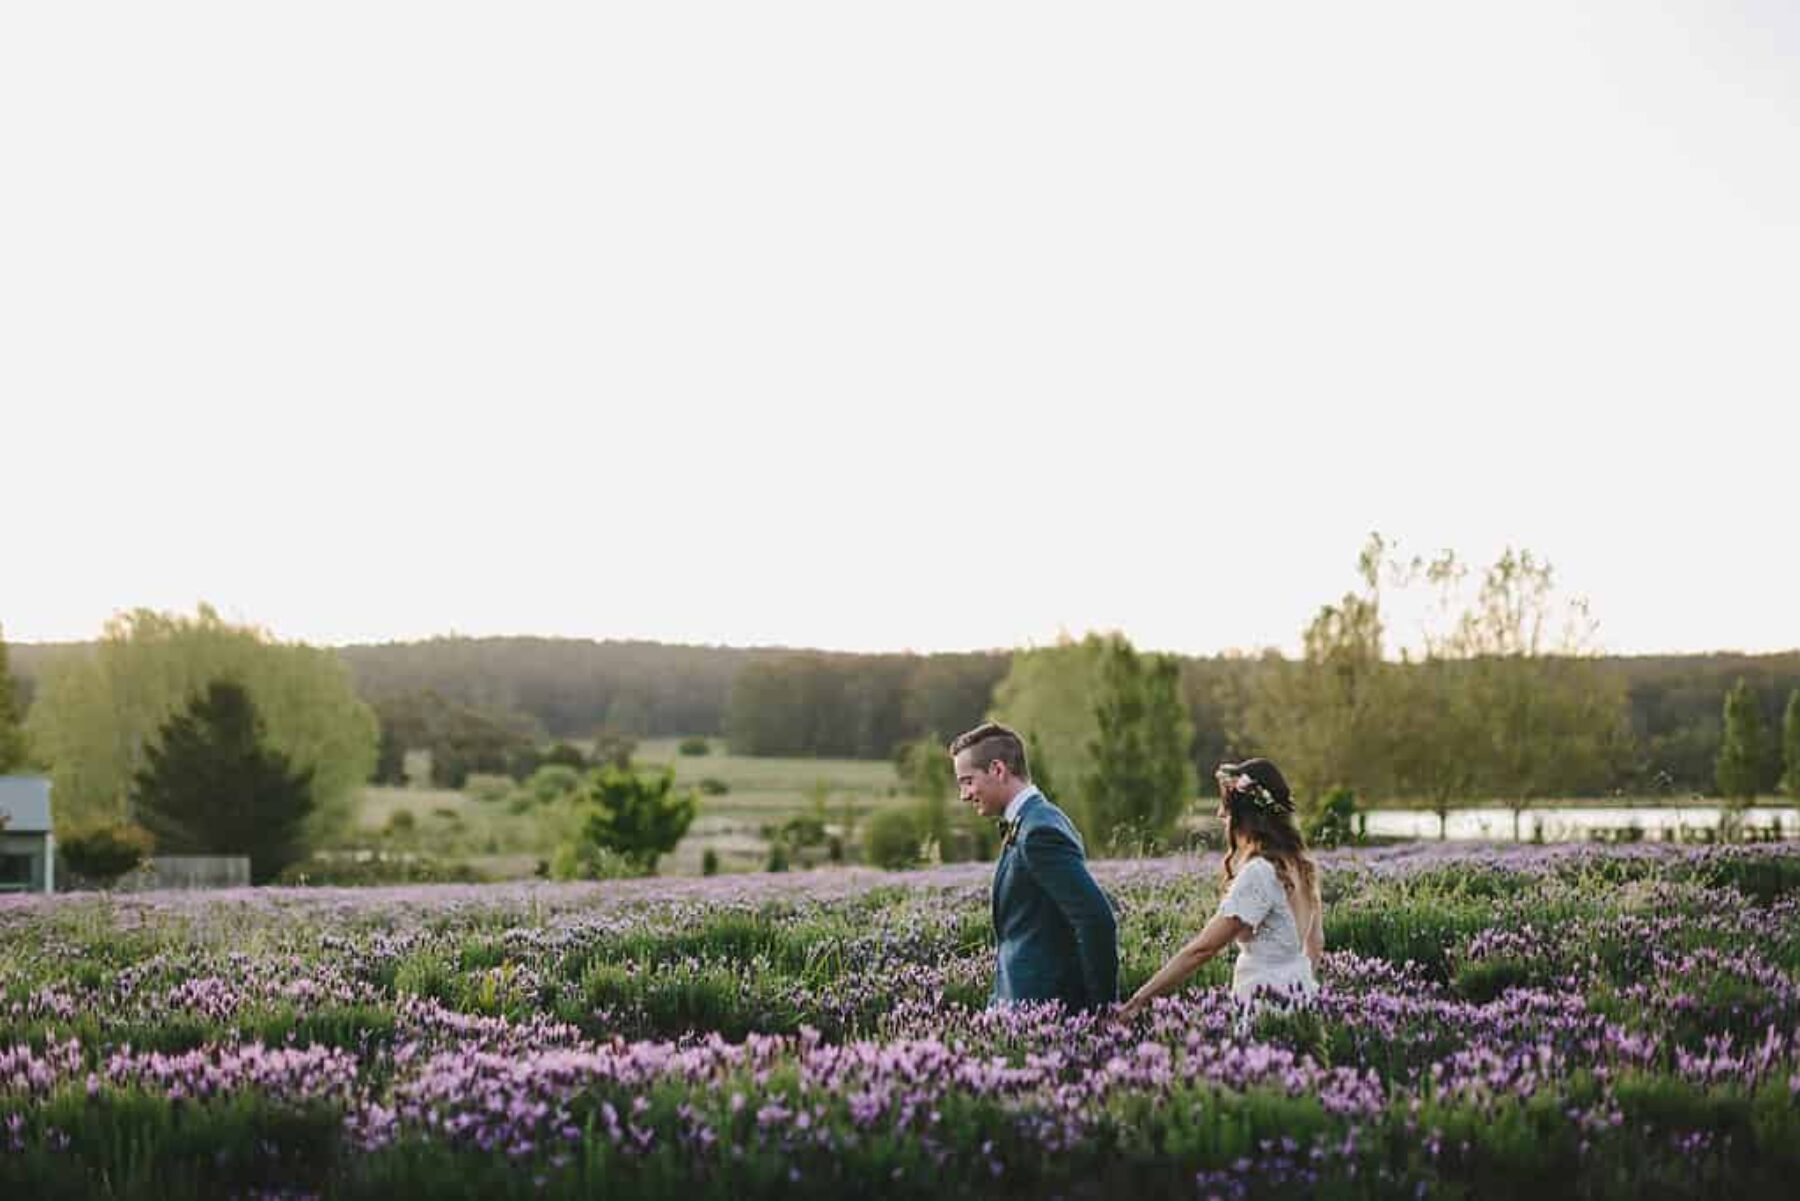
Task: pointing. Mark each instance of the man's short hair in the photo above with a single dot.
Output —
(990, 741)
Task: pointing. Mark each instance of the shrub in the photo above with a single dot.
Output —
(552, 782)
(614, 748)
(565, 754)
(709, 863)
(102, 853)
(640, 817)
(802, 831)
(580, 859)
(1485, 979)
(713, 786)
(343, 871)
(488, 788)
(695, 746)
(892, 839)
(1334, 824)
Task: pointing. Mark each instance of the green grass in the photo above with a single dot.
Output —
(759, 780)
(378, 803)
(759, 792)
(764, 792)
(448, 824)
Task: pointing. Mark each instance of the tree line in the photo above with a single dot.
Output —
(205, 737)
(1362, 713)
(839, 704)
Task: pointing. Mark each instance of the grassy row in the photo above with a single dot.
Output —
(780, 965)
(1674, 1139)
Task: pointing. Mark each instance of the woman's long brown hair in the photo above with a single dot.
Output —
(1277, 837)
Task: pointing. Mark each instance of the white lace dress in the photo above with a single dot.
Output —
(1273, 953)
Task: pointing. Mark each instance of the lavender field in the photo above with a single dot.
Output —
(1573, 1021)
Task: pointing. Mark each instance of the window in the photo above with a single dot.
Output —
(15, 872)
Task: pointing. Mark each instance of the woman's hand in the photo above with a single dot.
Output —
(1215, 937)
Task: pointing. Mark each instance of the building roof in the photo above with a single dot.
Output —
(26, 802)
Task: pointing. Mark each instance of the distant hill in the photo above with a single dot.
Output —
(573, 686)
(863, 704)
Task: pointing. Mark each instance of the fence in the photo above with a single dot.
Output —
(189, 871)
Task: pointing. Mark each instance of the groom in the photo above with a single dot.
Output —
(1057, 936)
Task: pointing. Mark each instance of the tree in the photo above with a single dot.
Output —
(1048, 698)
(1218, 693)
(950, 693)
(639, 817)
(477, 742)
(1790, 746)
(12, 732)
(1436, 733)
(211, 786)
(791, 705)
(1141, 778)
(390, 758)
(461, 740)
(1037, 759)
(1511, 698)
(1326, 719)
(100, 709)
(923, 765)
(1431, 735)
(1554, 721)
(1741, 755)
(926, 774)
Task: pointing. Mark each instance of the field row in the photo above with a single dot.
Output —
(1604, 1022)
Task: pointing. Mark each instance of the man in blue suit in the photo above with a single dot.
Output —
(1056, 934)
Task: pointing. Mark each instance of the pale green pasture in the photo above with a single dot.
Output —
(772, 777)
(452, 824)
(380, 802)
(761, 792)
(765, 792)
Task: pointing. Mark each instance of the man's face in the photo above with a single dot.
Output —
(986, 789)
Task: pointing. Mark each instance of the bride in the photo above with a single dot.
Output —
(1271, 906)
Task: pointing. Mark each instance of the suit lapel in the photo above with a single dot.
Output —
(999, 883)
(1031, 803)
(1004, 865)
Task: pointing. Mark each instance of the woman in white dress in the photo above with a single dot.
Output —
(1271, 905)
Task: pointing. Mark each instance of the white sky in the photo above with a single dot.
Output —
(718, 322)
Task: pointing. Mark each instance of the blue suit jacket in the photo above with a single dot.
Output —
(1054, 928)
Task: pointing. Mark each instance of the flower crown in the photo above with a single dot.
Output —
(1245, 785)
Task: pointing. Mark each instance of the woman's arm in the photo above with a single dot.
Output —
(1213, 938)
(1315, 937)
